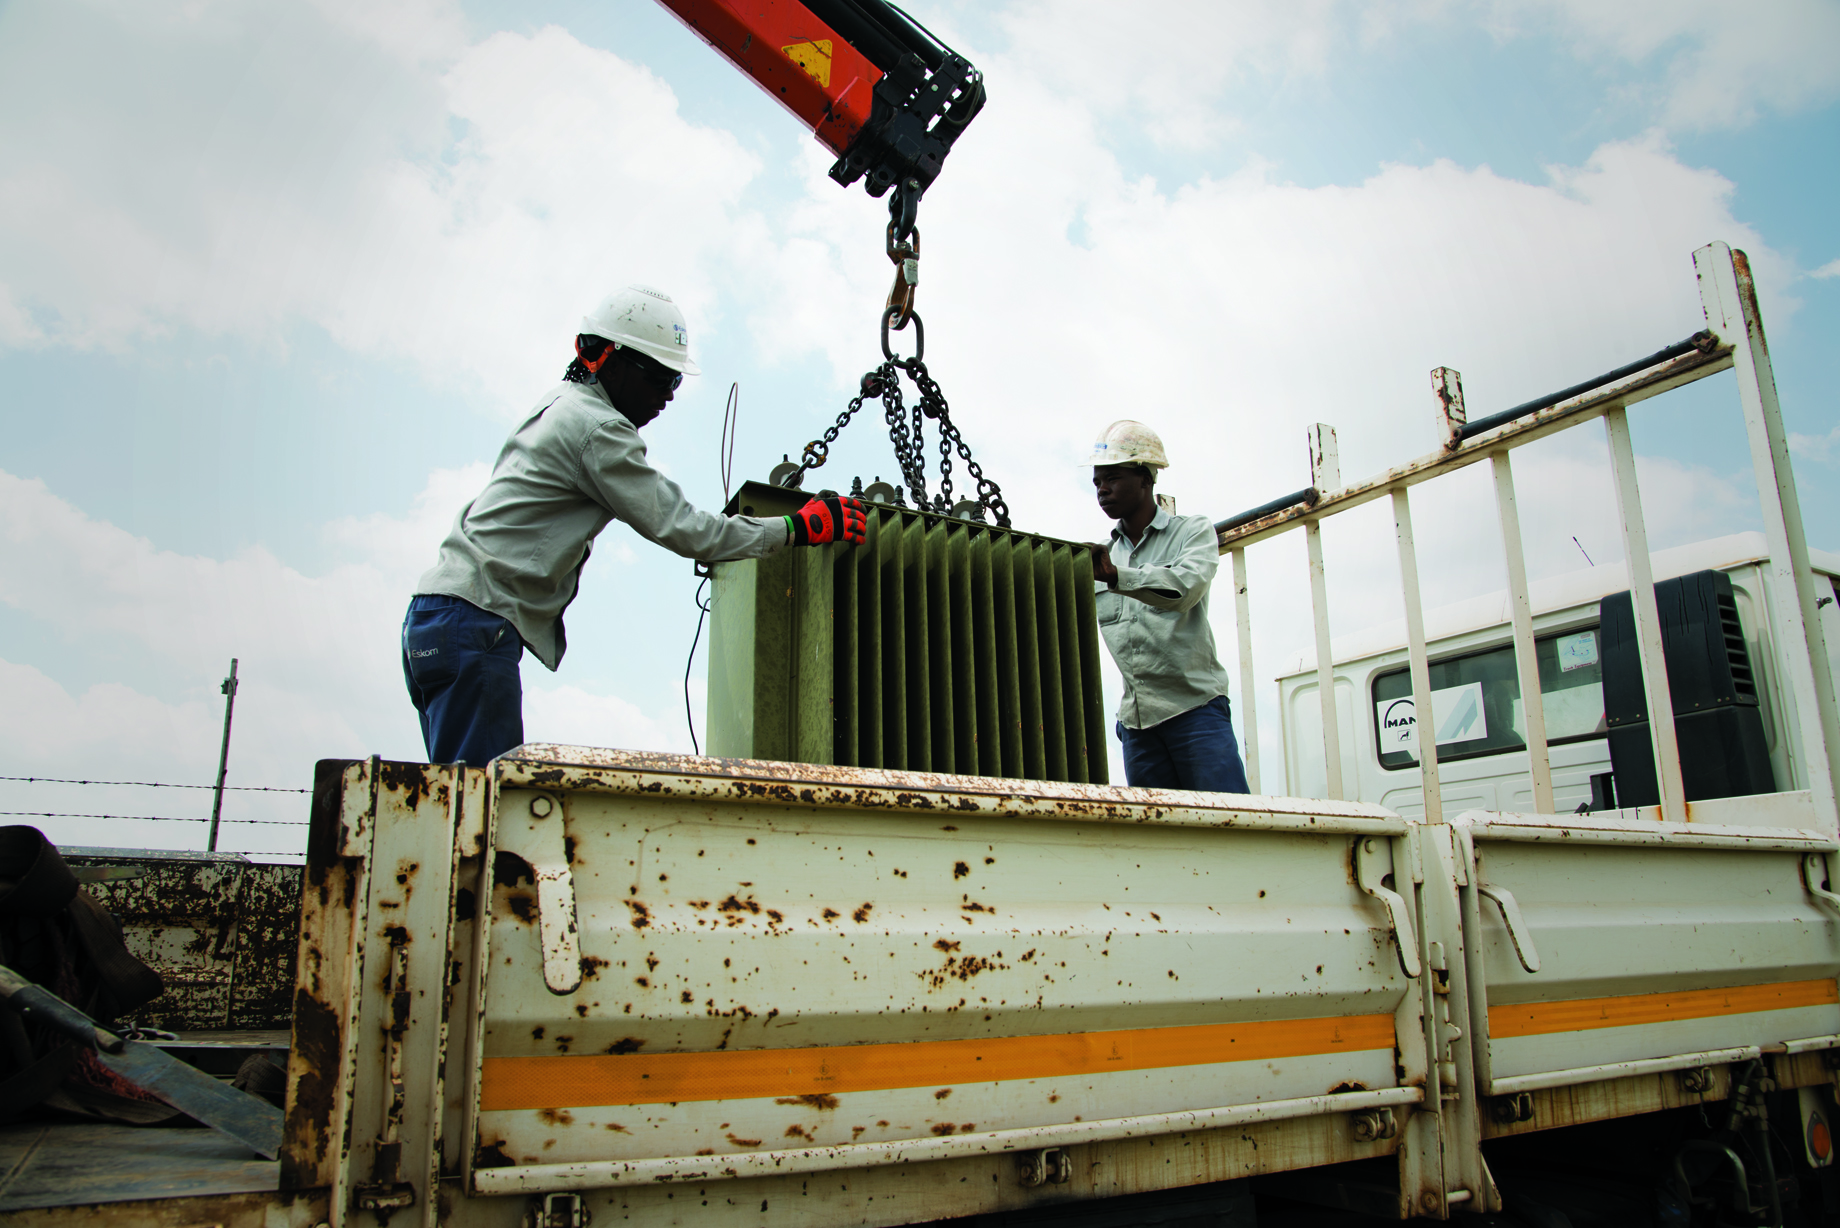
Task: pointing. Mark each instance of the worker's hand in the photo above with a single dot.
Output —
(836, 519)
(1103, 571)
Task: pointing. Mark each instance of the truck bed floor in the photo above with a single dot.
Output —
(61, 1165)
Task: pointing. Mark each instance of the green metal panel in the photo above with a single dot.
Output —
(1028, 634)
(846, 645)
(1008, 656)
(961, 623)
(1067, 640)
(812, 711)
(918, 675)
(894, 641)
(1086, 619)
(1048, 648)
(982, 624)
(729, 712)
(866, 621)
(941, 692)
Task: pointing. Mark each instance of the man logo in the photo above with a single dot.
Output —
(1399, 725)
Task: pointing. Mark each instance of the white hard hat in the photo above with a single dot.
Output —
(647, 320)
(1125, 442)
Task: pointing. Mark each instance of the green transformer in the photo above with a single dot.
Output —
(937, 645)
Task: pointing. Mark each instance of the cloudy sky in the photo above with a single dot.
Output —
(276, 279)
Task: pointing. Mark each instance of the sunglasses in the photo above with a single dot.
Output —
(654, 372)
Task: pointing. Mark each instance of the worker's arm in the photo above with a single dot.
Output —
(615, 473)
(1180, 583)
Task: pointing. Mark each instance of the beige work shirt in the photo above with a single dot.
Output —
(1155, 621)
(575, 464)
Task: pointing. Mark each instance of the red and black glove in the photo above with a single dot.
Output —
(836, 519)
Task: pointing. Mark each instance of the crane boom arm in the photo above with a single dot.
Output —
(872, 85)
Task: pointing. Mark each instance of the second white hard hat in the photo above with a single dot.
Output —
(1125, 442)
(647, 320)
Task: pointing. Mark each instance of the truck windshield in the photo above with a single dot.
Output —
(1477, 701)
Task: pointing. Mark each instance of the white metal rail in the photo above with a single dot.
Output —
(1735, 341)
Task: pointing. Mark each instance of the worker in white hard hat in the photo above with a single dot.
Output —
(1152, 584)
(512, 562)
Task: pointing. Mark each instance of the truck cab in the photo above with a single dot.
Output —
(1482, 749)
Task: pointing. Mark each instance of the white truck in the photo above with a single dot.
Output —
(595, 986)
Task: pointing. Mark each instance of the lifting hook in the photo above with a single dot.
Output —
(904, 251)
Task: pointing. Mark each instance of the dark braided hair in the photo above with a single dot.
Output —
(587, 346)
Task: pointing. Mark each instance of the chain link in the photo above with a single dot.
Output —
(906, 432)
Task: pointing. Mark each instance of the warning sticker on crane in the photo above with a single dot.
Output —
(1461, 717)
(814, 56)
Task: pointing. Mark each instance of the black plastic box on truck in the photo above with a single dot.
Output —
(1723, 751)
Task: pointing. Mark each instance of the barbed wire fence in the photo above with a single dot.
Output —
(148, 818)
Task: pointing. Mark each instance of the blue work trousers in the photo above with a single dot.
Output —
(1194, 750)
(461, 664)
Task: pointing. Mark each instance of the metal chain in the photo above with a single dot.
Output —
(933, 402)
(910, 440)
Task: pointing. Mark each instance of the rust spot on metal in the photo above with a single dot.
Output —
(523, 906)
(492, 1155)
(536, 1033)
(960, 869)
(944, 1128)
(705, 1151)
(942, 1093)
(615, 1126)
(626, 1044)
(862, 914)
(591, 966)
(831, 914)
(315, 1061)
(557, 1117)
(408, 779)
(508, 870)
(641, 915)
(1339, 1088)
(948, 827)
(797, 1131)
(943, 945)
(817, 1101)
(745, 1142)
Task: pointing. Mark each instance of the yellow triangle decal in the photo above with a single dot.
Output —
(813, 55)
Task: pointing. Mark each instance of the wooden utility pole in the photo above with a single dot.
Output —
(223, 757)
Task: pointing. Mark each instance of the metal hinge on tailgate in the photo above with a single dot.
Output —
(1814, 877)
(1518, 933)
(386, 1193)
(1373, 865)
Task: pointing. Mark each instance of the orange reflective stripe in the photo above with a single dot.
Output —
(660, 1078)
(1580, 1014)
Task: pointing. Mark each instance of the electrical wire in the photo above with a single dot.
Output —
(702, 610)
(731, 421)
(151, 784)
(155, 818)
(725, 460)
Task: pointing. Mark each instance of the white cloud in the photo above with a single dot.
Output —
(1830, 269)
(416, 196)
(1819, 448)
(1193, 72)
(1719, 64)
